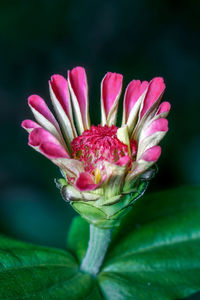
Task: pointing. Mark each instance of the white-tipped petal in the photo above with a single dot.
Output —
(44, 116)
(110, 92)
(163, 110)
(29, 125)
(134, 96)
(149, 105)
(151, 135)
(79, 91)
(60, 97)
(149, 157)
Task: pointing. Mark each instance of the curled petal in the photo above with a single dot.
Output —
(149, 105)
(38, 104)
(53, 151)
(29, 125)
(152, 135)
(154, 93)
(149, 157)
(43, 115)
(152, 154)
(39, 136)
(156, 126)
(59, 87)
(134, 95)
(44, 142)
(78, 87)
(61, 101)
(163, 110)
(110, 92)
(85, 182)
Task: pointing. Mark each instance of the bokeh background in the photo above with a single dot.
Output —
(140, 39)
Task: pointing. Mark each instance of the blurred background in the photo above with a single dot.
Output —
(140, 39)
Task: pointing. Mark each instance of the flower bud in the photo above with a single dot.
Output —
(105, 168)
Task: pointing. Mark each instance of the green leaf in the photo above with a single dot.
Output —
(33, 272)
(156, 252)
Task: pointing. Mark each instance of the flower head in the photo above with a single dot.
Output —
(100, 163)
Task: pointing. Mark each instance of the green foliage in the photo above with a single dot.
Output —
(33, 272)
(154, 255)
(157, 253)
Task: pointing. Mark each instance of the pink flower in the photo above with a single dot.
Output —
(98, 157)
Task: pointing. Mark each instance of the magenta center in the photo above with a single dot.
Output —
(98, 144)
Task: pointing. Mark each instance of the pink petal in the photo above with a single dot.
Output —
(152, 154)
(85, 182)
(47, 144)
(39, 136)
(123, 161)
(133, 92)
(37, 103)
(78, 82)
(155, 90)
(163, 108)
(59, 86)
(110, 91)
(156, 126)
(53, 151)
(29, 125)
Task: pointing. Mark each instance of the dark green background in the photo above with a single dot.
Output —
(140, 39)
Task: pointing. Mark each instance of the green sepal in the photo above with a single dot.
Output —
(60, 182)
(103, 207)
(108, 214)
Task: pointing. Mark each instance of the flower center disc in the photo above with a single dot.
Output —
(98, 144)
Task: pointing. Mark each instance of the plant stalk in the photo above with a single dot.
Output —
(97, 246)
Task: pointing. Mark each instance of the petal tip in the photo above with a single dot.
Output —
(85, 182)
(152, 154)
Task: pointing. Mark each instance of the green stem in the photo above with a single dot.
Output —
(97, 247)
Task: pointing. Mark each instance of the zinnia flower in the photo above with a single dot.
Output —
(103, 161)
